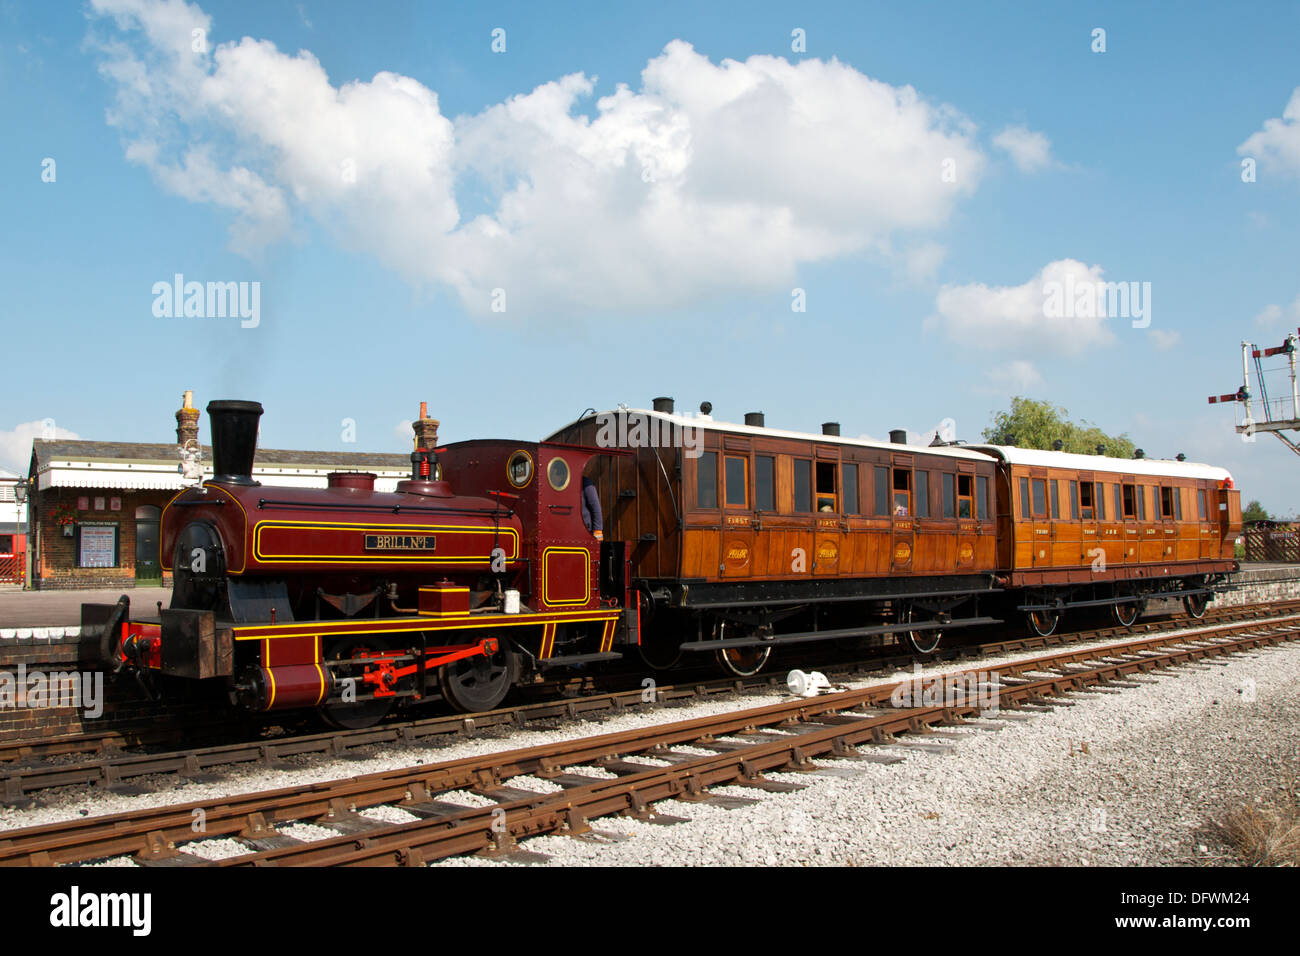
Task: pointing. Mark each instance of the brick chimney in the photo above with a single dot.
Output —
(426, 429)
(187, 422)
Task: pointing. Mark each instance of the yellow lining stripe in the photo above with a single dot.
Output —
(510, 533)
(256, 632)
(586, 576)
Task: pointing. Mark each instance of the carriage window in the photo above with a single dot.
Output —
(764, 483)
(982, 493)
(737, 481)
(1166, 502)
(902, 492)
(947, 495)
(1119, 507)
(1130, 501)
(1142, 502)
(826, 500)
(1085, 500)
(1040, 496)
(1056, 499)
(923, 494)
(1024, 498)
(802, 484)
(1178, 504)
(850, 475)
(706, 480)
(1200, 502)
(965, 504)
(1100, 498)
(882, 490)
(1074, 501)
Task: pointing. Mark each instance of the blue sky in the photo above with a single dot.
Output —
(380, 171)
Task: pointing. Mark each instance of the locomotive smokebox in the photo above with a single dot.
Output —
(234, 440)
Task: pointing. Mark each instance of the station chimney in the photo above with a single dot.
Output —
(187, 422)
(426, 429)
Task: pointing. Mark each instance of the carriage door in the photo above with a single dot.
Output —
(147, 566)
(829, 537)
(738, 530)
(1090, 548)
(903, 539)
(1042, 519)
(968, 516)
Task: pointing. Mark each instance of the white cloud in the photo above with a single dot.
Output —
(1163, 340)
(402, 430)
(1277, 145)
(1030, 151)
(710, 177)
(1018, 317)
(16, 445)
(923, 260)
(1274, 315)
(1015, 377)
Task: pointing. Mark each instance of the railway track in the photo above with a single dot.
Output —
(112, 769)
(741, 748)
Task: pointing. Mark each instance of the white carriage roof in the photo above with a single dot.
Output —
(711, 424)
(1159, 467)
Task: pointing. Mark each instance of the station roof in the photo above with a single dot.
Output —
(68, 463)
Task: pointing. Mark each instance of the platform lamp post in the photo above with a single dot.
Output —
(21, 496)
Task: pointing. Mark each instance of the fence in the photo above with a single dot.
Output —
(11, 568)
(1273, 541)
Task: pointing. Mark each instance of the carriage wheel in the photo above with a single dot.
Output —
(479, 683)
(1126, 614)
(741, 661)
(920, 642)
(356, 715)
(1043, 623)
(1194, 605)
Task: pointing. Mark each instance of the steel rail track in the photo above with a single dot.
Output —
(19, 781)
(830, 724)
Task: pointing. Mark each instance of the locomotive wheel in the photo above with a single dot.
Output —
(919, 642)
(361, 713)
(1194, 605)
(1125, 614)
(479, 683)
(1043, 623)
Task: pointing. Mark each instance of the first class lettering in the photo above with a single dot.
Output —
(399, 542)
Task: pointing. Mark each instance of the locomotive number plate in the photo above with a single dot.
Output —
(400, 542)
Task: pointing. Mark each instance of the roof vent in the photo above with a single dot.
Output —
(1139, 453)
(1058, 445)
(831, 428)
(1101, 449)
(663, 404)
(1181, 457)
(898, 436)
(754, 418)
(706, 408)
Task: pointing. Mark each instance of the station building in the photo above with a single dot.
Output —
(94, 507)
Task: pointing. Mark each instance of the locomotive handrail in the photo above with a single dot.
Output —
(264, 503)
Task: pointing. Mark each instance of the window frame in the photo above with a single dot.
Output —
(727, 459)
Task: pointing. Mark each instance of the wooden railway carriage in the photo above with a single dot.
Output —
(1083, 530)
(742, 536)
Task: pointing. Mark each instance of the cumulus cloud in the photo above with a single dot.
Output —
(707, 178)
(1015, 377)
(1030, 151)
(1022, 316)
(1273, 315)
(1277, 145)
(16, 444)
(1163, 340)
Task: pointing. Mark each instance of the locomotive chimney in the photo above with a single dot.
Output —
(830, 428)
(426, 429)
(898, 436)
(234, 440)
(663, 404)
(187, 422)
(755, 419)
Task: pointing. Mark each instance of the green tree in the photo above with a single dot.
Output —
(1031, 424)
(1254, 512)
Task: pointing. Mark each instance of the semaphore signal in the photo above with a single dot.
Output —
(1277, 423)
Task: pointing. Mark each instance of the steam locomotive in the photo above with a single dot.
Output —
(478, 571)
